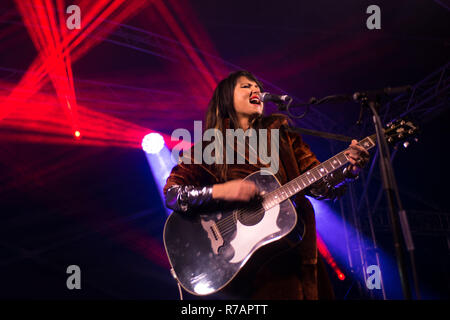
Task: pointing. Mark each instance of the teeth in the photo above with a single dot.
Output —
(255, 101)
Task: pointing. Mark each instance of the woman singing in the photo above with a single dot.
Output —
(288, 268)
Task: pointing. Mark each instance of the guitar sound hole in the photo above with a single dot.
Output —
(251, 214)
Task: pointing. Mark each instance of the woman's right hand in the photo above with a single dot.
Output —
(235, 190)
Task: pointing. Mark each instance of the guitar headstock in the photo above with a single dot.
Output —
(401, 130)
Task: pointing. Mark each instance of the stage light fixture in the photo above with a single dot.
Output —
(152, 143)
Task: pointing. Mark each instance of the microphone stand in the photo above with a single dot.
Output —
(399, 223)
(391, 191)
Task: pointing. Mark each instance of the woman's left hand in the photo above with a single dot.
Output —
(357, 156)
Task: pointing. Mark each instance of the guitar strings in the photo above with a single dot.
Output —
(231, 227)
(247, 209)
(249, 212)
(227, 224)
(225, 230)
(230, 219)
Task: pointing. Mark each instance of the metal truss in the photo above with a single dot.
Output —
(427, 100)
(423, 223)
(170, 49)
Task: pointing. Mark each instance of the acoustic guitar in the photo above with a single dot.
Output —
(207, 249)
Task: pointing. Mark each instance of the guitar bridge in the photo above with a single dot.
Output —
(213, 234)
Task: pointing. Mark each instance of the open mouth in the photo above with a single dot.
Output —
(255, 100)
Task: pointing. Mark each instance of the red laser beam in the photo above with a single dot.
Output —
(178, 32)
(328, 257)
(42, 120)
(199, 36)
(42, 65)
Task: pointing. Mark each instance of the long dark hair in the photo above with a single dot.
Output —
(221, 107)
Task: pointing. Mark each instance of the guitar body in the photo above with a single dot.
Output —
(207, 250)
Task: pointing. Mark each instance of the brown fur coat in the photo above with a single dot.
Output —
(287, 268)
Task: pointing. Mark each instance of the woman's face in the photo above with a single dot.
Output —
(246, 98)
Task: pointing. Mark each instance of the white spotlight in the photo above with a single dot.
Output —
(152, 143)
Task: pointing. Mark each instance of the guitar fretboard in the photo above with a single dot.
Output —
(308, 178)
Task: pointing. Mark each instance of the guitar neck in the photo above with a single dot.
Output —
(308, 178)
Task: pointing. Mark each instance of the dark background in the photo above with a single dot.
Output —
(98, 206)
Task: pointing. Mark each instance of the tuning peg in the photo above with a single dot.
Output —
(390, 139)
(406, 144)
(416, 139)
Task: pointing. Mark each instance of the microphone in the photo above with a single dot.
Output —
(283, 99)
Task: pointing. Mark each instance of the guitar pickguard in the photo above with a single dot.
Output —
(247, 237)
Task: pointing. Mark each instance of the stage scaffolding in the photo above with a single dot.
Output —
(365, 210)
